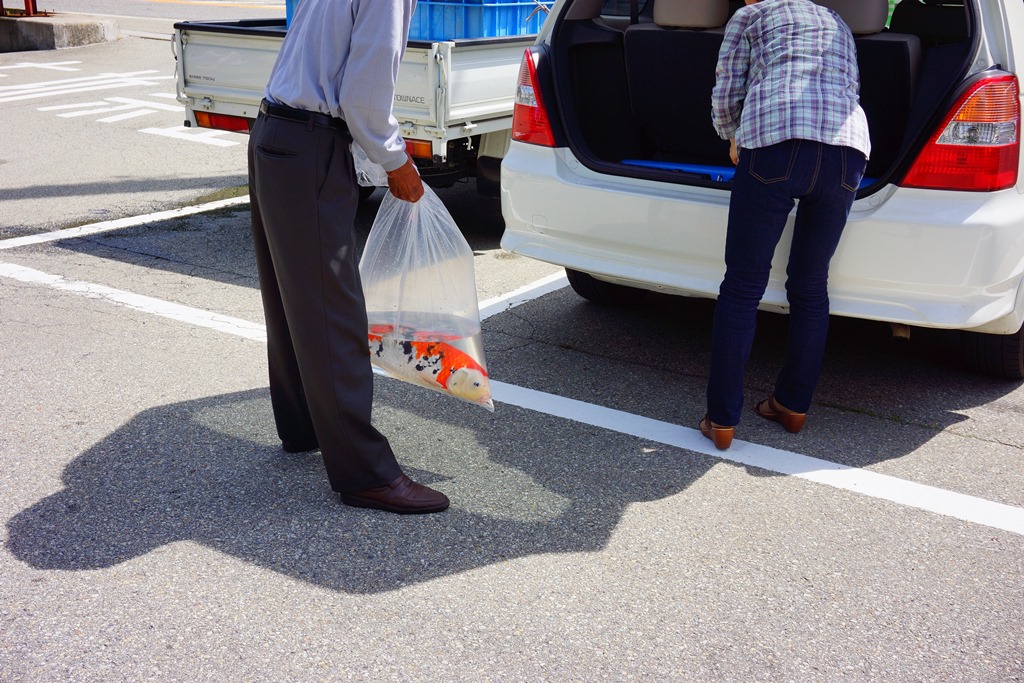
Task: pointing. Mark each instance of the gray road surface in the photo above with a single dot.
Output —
(154, 530)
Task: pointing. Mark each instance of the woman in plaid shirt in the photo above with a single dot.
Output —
(786, 97)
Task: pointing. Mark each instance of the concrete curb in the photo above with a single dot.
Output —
(19, 34)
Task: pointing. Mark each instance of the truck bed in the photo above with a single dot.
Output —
(446, 90)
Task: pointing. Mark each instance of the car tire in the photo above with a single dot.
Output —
(999, 355)
(601, 292)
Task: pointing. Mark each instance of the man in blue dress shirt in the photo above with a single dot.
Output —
(334, 81)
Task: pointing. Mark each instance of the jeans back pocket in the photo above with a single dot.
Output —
(774, 164)
(854, 165)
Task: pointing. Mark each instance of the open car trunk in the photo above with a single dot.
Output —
(635, 98)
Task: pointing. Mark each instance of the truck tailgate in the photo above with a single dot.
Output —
(224, 69)
(445, 90)
(452, 89)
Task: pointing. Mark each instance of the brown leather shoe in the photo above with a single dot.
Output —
(403, 496)
(720, 436)
(770, 409)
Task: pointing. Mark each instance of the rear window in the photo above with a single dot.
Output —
(620, 8)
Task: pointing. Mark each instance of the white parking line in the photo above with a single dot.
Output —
(500, 304)
(138, 302)
(117, 224)
(864, 482)
(908, 493)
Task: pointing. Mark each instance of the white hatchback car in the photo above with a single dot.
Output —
(615, 171)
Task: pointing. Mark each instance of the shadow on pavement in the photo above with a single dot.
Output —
(120, 184)
(522, 483)
(195, 471)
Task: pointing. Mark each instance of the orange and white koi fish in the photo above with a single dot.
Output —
(434, 364)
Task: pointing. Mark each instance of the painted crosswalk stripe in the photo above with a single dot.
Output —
(110, 104)
(16, 93)
(209, 137)
(134, 113)
(49, 66)
(103, 78)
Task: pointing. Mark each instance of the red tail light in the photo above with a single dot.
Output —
(419, 149)
(977, 147)
(236, 124)
(529, 117)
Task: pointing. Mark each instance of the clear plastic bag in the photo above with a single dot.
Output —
(368, 174)
(420, 289)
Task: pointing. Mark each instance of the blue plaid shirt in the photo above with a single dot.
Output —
(788, 70)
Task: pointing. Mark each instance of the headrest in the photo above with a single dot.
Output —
(862, 16)
(692, 13)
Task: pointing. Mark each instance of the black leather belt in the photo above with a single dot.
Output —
(280, 111)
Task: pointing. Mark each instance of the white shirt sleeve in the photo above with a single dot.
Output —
(341, 57)
(379, 34)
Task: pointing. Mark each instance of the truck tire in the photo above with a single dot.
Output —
(601, 292)
(998, 355)
(365, 192)
(488, 176)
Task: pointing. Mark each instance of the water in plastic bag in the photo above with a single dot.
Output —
(420, 289)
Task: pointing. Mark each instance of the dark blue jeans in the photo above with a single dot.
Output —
(769, 180)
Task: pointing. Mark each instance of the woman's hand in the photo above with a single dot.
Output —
(734, 152)
(405, 183)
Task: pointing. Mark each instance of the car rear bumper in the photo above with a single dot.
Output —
(918, 257)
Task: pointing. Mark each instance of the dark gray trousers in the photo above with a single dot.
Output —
(304, 197)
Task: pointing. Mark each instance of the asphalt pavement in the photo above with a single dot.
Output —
(153, 529)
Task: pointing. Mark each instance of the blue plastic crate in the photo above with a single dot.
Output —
(466, 19)
(475, 19)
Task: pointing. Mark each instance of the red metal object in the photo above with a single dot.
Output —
(29, 11)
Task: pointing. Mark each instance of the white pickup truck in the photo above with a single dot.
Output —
(453, 98)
